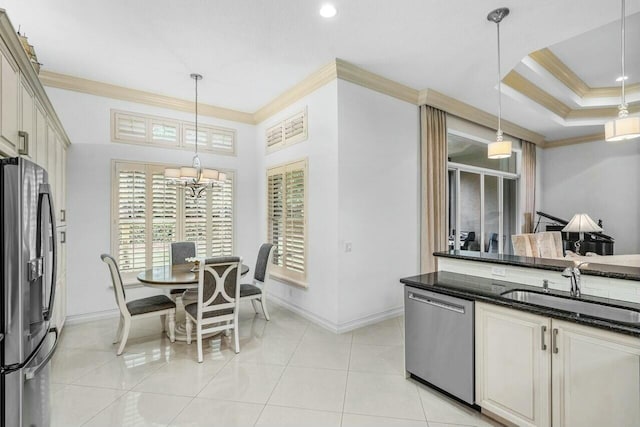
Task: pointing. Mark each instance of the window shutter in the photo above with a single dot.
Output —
(130, 128)
(190, 137)
(275, 213)
(295, 211)
(275, 135)
(222, 139)
(195, 223)
(164, 217)
(295, 128)
(222, 218)
(164, 132)
(132, 212)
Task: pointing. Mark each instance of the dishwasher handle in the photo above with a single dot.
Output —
(436, 303)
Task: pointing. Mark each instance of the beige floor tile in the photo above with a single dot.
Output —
(67, 365)
(136, 409)
(382, 395)
(274, 351)
(279, 416)
(440, 409)
(244, 383)
(321, 354)
(75, 405)
(181, 377)
(381, 359)
(318, 333)
(355, 420)
(383, 333)
(207, 412)
(310, 388)
(123, 373)
(279, 327)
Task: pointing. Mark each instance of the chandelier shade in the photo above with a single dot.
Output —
(499, 150)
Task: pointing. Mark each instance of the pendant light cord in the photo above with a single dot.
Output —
(499, 133)
(622, 42)
(196, 79)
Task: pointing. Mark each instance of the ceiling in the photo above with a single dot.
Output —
(250, 51)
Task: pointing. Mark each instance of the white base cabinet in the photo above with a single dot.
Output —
(536, 371)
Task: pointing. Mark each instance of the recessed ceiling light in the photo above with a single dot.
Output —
(328, 11)
(621, 78)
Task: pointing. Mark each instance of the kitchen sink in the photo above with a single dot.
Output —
(618, 314)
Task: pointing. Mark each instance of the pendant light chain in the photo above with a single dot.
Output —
(196, 79)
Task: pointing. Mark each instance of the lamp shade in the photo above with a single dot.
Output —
(222, 177)
(186, 173)
(622, 129)
(581, 223)
(499, 150)
(210, 174)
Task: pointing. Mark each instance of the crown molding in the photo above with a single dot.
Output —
(92, 87)
(574, 140)
(311, 83)
(550, 62)
(354, 74)
(517, 82)
(476, 115)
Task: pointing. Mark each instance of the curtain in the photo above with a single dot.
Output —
(529, 181)
(433, 123)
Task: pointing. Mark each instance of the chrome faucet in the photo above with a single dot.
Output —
(573, 273)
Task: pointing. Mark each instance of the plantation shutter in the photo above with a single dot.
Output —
(195, 222)
(275, 208)
(294, 247)
(164, 132)
(163, 218)
(274, 135)
(132, 213)
(295, 128)
(287, 220)
(222, 218)
(130, 128)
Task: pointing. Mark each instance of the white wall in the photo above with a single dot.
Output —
(601, 179)
(320, 299)
(379, 202)
(86, 119)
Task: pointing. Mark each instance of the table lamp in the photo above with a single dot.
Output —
(581, 223)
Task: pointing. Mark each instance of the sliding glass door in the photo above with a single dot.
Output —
(482, 209)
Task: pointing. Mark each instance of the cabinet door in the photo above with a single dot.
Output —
(27, 122)
(41, 136)
(596, 377)
(513, 364)
(9, 77)
(60, 303)
(59, 181)
(52, 166)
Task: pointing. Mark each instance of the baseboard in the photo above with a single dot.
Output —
(341, 327)
(89, 317)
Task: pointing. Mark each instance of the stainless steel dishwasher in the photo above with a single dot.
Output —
(439, 347)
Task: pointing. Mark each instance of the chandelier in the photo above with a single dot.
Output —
(195, 179)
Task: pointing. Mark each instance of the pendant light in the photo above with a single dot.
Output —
(624, 127)
(194, 178)
(500, 149)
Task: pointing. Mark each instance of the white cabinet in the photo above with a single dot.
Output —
(536, 371)
(40, 136)
(513, 365)
(27, 143)
(596, 377)
(9, 112)
(60, 302)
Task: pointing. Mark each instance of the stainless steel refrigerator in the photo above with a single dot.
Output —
(28, 271)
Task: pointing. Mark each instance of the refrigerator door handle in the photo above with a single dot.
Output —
(45, 192)
(31, 373)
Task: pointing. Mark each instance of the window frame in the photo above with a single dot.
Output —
(182, 126)
(281, 273)
(151, 168)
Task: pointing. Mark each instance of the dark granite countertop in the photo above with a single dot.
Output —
(491, 291)
(592, 268)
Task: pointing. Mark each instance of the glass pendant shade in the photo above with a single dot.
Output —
(621, 129)
(499, 150)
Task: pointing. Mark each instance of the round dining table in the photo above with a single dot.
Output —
(181, 276)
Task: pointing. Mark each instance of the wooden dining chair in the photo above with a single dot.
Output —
(138, 309)
(255, 291)
(178, 253)
(216, 308)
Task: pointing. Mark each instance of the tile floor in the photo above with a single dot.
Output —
(289, 372)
